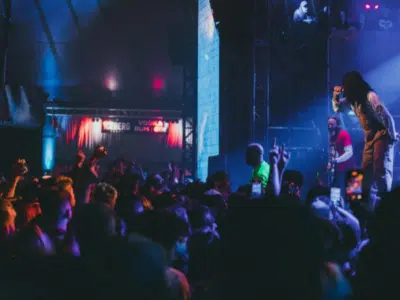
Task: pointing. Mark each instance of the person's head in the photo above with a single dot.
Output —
(292, 182)
(254, 155)
(315, 193)
(129, 185)
(355, 88)
(57, 209)
(291, 258)
(105, 193)
(334, 125)
(94, 224)
(28, 208)
(219, 181)
(134, 266)
(165, 228)
(65, 184)
(321, 208)
(100, 152)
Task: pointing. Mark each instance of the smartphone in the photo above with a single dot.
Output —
(335, 196)
(354, 186)
(256, 189)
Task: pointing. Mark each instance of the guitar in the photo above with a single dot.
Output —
(331, 164)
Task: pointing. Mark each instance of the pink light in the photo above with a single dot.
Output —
(367, 6)
(158, 83)
(376, 7)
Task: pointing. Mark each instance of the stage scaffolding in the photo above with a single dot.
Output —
(262, 70)
(189, 98)
(55, 110)
(272, 40)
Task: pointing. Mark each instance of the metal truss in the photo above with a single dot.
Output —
(261, 67)
(74, 15)
(48, 33)
(189, 99)
(189, 145)
(170, 115)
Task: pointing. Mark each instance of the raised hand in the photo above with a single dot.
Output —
(80, 157)
(274, 154)
(20, 168)
(284, 158)
(337, 90)
(100, 152)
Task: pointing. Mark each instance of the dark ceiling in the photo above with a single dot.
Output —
(60, 44)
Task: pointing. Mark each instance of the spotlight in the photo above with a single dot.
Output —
(158, 83)
(376, 7)
(112, 84)
(367, 6)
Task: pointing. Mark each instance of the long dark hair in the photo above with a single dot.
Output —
(355, 87)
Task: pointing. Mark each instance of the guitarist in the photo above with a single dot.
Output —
(341, 158)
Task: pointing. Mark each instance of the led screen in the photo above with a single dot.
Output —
(125, 138)
(208, 89)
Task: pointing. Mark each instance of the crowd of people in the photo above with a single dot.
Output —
(160, 236)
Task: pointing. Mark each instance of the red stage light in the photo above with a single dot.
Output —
(367, 6)
(158, 83)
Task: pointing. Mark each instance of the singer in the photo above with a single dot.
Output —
(378, 126)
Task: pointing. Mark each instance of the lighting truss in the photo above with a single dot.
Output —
(261, 68)
(52, 110)
(189, 99)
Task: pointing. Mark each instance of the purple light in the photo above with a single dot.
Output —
(367, 6)
(376, 7)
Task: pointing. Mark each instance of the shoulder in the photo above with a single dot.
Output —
(372, 95)
(344, 134)
(335, 283)
(264, 165)
(178, 284)
(374, 99)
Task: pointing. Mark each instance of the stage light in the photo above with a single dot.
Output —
(49, 146)
(367, 6)
(376, 7)
(112, 84)
(158, 83)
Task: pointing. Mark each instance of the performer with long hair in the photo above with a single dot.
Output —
(378, 126)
